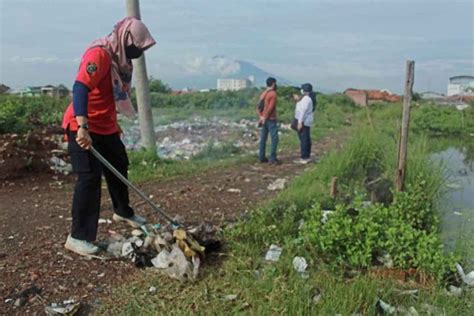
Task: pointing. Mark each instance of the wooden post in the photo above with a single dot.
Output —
(145, 116)
(333, 192)
(403, 144)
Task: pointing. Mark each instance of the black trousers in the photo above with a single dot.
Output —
(89, 170)
(305, 142)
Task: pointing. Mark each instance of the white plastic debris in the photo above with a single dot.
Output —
(317, 296)
(174, 264)
(162, 260)
(127, 249)
(300, 224)
(386, 260)
(273, 253)
(299, 264)
(385, 307)
(230, 297)
(137, 232)
(466, 278)
(232, 190)
(454, 291)
(69, 307)
(278, 184)
(326, 214)
(196, 264)
(152, 290)
(104, 221)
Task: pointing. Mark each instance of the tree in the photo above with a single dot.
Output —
(156, 85)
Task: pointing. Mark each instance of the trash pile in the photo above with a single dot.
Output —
(184, 139)
(174, 251)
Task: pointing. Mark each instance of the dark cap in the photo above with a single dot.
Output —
(307, 87)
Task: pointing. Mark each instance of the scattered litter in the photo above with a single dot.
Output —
(408, 292)
(299, 264)
(59, 165)
(455, 186)
(300, 224)
(381, 308)
(386, 259)
(317, 296)
(21, 298)
(232, 190)
(68, 307)
(278, 184)
(454, 291)
(20, 302)
(230, 297)
(8, 301)
(432, 310)
(457, 213)
(152, 290)
(137, 232)
(467, 278)
(326, 214)
(273, 253)
(104, 221)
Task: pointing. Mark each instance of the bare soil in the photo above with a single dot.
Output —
(35, 221)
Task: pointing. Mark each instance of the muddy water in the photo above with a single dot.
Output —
(457, 218)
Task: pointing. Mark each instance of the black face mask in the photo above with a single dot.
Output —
(133, 52)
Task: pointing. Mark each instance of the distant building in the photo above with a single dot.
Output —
(431, 95)
(365, 97)
(56, 92)
(4, 89)
(234, 84)
(461, 85)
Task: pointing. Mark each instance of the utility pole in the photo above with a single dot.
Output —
(403, 145)
(145, 116)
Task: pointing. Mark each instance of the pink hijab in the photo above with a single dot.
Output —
(126, 32)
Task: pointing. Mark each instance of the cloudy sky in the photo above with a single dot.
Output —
(333, 43)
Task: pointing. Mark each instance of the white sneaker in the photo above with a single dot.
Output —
(302, 161)
(135, 221)
(82, 247)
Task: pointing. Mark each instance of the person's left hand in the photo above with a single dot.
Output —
(300, 126)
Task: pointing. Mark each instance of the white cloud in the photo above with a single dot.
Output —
(217, 65)
(34, 59)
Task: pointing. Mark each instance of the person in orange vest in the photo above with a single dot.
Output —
(101, 88)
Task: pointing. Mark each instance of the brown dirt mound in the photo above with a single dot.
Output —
(23, 155)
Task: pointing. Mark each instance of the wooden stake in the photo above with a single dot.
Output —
(333, 187)
(403, 144)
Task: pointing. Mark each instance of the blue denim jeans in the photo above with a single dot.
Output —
(271, 127)
(305, 142)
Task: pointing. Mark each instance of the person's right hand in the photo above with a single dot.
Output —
(83, 138)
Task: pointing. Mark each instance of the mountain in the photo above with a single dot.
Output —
(202, 73)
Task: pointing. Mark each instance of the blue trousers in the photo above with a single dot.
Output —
(305, 142)
(271, 127)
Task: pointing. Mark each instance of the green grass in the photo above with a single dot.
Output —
(269, 289)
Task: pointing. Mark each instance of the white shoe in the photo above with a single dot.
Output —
(82, 247)
(302, 161)
(135, 221)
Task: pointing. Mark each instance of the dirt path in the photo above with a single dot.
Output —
(35, 220)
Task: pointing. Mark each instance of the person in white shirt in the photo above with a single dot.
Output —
(304, 115)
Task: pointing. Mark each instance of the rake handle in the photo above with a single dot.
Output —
(131, 185)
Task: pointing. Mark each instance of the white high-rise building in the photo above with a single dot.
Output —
(233, 84)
